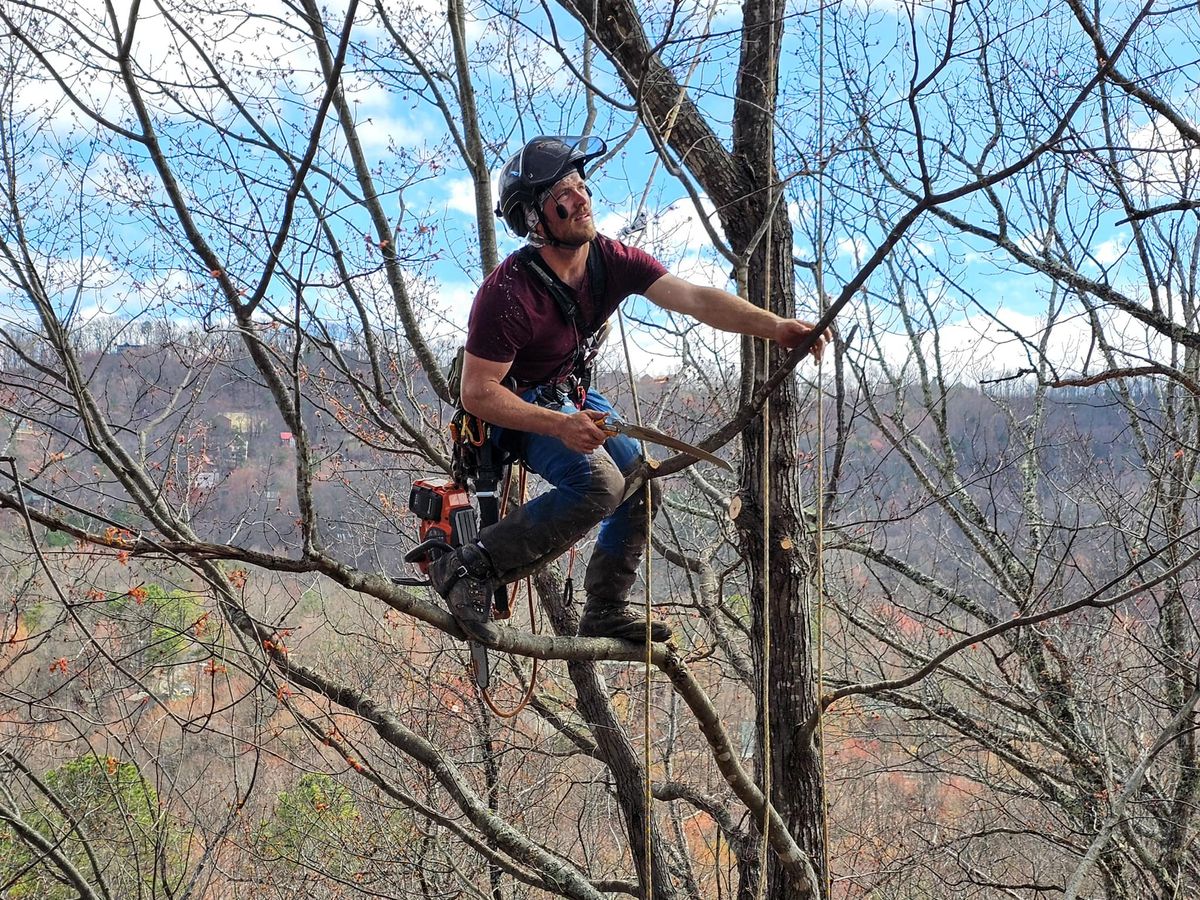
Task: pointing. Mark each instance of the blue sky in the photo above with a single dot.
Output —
(404, 136)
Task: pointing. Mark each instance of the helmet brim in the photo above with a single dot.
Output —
(544, 160)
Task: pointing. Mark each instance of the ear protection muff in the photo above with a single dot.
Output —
(532, 220)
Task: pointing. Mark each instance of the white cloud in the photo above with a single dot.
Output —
(979, 346)
(855, 249)
(93, 289)
(674, 230)
(1164, 162)
(447, 314)
(895, 7)
(243, 48)
(677, 237)
(1108, 252)
(460, 195)
(970, 348)
(1034, 244)
(658, 350)
(419, 21)
(377, 132)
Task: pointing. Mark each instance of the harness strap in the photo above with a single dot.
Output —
(564, 298)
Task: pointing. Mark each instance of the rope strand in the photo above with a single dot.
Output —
(819, 542)
(765, 474)
(647, 786)
(649, 795)
(648, 798)
(764, 843)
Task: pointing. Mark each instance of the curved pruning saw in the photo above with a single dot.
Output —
(654, 436)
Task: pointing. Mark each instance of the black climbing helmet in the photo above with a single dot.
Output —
(538, 167)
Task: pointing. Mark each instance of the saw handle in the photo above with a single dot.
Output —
(611, 427)
(427, 551)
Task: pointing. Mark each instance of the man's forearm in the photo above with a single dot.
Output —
(729, 312)
(497, 405)
(713, 306)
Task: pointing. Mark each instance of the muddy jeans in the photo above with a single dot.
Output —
(587, 488)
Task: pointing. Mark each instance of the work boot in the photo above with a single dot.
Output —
(464, 577)
(606, 618)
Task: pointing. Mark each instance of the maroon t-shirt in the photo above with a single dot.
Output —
(514, 317)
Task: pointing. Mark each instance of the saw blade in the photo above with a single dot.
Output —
(479, 662)
(654, 436)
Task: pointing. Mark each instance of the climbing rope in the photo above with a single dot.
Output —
(819, 586)
(647, 784)
(819, 537)
(765, 474)
(649, 682)
(648, 792)
(764, 842)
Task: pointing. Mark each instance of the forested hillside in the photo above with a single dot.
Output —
(147, 709)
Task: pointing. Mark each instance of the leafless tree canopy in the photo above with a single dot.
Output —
(937, 636)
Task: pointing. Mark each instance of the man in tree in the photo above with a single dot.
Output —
(532, 331)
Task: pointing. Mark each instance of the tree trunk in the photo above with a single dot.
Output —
(795, 761)
(743, 185)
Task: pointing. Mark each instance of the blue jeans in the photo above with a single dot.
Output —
(586, 488)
